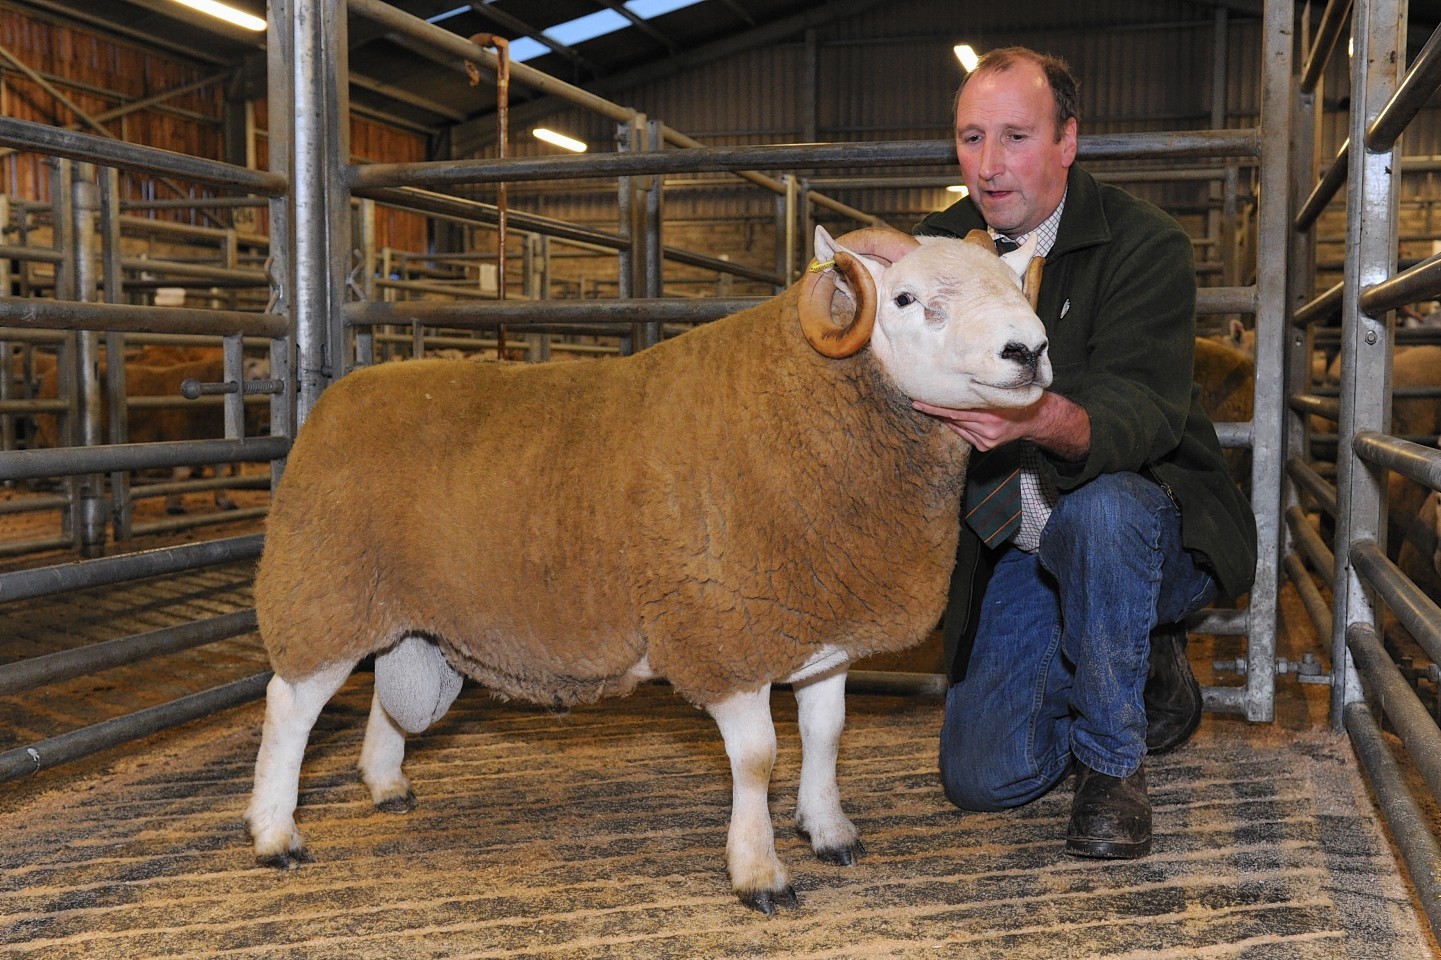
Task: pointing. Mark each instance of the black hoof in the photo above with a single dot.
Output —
(843, 856)
(766, 901)
(286, 860)
(401, 804)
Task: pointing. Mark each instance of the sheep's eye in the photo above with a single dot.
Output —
(904, 300)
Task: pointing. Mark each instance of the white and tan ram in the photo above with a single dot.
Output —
(753, 502)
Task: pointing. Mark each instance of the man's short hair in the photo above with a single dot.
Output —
(1064, 86)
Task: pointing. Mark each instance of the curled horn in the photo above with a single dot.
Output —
(830, 335)
(1031, 285)
(981, 239)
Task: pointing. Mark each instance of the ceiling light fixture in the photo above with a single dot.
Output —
(960, 188)
(229, 14)
(559, 139)
(966, 55)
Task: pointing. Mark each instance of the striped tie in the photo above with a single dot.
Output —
(993, 494)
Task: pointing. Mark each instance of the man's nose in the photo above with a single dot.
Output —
(991, 162)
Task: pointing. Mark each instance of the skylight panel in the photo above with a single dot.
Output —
(592, 25)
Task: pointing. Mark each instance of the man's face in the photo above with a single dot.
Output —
(1006, 144)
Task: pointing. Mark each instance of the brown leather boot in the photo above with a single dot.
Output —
(1173, 697)
(1110, 816)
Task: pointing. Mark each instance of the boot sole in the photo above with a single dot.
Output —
(1107, 849)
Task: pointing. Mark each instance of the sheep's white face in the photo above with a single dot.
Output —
(954, 330)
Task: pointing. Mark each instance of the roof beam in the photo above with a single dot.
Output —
(476, 134)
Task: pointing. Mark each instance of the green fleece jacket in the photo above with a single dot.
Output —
(1118, 300)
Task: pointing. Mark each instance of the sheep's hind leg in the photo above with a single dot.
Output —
(756, 874)
(380, 760)
(821, 704)
(290, 711)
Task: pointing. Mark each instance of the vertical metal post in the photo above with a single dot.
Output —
(1216, 221)
(365, 230)
(8, 439)
(537, 287)
(120, 502)
(792, 226)
(280, 101)
(1300, 278)
(629, 137)
(654, 250)
(68, 422)
(1273, 225)
(85, 208)
(320, 199)
(1377, 33)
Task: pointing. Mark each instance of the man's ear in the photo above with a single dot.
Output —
(1068, 142)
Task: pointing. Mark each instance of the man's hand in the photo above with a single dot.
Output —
(1053, 423)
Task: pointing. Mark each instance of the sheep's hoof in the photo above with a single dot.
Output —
(404, 803)
(766, 901)
(286, 859)
(843, 856)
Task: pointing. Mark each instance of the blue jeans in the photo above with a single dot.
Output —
(1061, 653)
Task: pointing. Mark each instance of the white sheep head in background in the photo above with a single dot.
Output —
(986, 351)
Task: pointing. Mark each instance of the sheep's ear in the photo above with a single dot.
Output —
(825, 245)
(1236, 332)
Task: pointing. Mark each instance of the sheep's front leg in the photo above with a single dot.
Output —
(757, 876)
(380, 760)
(290, 711)
(821, 704)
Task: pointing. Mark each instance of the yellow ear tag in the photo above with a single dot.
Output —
(818, 266)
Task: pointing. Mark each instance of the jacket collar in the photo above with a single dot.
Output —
(1083, 222)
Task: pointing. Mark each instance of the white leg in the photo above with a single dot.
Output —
(821, 704)
(757, 876)
(380, 760)
(290, 711)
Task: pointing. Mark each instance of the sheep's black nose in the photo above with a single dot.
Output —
(1023, 354)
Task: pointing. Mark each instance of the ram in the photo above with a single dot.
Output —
(756, 501)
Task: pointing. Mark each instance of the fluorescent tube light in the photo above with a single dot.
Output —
(966, 55)
(960, 188)
(229, 14)
(559, 139)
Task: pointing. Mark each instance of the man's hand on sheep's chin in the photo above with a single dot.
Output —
(1053, 423)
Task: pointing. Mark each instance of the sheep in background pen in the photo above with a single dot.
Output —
(753, 502)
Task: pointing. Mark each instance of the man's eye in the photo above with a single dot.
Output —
(905, 300)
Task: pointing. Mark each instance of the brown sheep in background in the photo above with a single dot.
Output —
(1226, 377)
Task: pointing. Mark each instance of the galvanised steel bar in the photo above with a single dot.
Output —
(1333, 19)
(1420, 282)
(474, 211)
(23, 761)
(1415, 90)
(69, 461)
(1316, 405)
(1409, 824)
(487, 314)
(1320, 489)
(1324, 306)
(1393, 697)
(774, 157)
(71, 315)
(43, 581)
(1310, 544)
(1330, 184)
(11, 251)
(193, 520)
(1417, 612)
(77, 662)
(1227, 300)
(1371, 213)
(1316, 606)
(1420, 463)
(43, 138)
